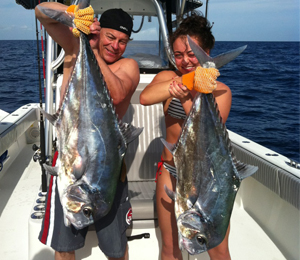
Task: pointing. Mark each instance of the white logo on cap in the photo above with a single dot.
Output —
(124, 28)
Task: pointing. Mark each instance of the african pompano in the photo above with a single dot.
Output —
(91, 140)
(208, 174)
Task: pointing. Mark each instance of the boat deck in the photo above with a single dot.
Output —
(18, 188)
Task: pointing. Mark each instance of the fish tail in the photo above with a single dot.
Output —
(60, 16)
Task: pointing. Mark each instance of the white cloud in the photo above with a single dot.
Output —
(150, 34)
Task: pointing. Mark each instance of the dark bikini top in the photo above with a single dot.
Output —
(176, 110)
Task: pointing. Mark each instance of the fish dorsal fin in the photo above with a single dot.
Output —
(170, 147)
(51, 170)
(129, 131)
(245, 170)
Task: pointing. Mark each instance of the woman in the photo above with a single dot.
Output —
(167, 87)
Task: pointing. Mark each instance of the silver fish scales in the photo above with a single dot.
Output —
(208, 174)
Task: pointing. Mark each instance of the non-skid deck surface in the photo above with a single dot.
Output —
(18, 189)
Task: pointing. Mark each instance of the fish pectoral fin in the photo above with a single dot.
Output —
(170, 193)
(78, 172)
(51, 170)
(52, 118)
(225, 58)
(170, 147)
(80, 166)
(130, 132)
(245, 170)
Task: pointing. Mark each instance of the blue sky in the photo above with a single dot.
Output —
(234, 20)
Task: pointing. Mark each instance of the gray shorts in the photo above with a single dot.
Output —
(111, 229)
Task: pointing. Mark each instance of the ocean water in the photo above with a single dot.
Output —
(264, 81)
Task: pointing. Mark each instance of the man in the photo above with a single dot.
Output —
(122, 76)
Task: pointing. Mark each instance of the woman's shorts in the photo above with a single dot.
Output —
(111, 229)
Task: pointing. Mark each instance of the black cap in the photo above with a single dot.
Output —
(118, 20)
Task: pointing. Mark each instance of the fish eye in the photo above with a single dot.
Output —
(87, 212)
(201, 240)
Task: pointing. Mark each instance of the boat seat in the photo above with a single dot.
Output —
(142, 157)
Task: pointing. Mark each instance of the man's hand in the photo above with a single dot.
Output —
(83, 19)
(94, 36)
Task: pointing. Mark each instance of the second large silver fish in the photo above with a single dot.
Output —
(208, 174)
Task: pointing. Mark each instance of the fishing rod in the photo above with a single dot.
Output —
(43, 55)
(42, 156)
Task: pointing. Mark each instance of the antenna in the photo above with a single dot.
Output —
(206, 8)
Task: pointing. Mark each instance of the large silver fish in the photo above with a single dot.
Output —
(91, 140)
(208, 174)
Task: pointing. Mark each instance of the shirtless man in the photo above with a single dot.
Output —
(122, 77)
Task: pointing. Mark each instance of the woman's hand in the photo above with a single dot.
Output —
(178, 90)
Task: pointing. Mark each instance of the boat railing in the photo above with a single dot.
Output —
(271, 196)
(16, 130)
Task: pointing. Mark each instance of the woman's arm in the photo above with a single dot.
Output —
(165, 84)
